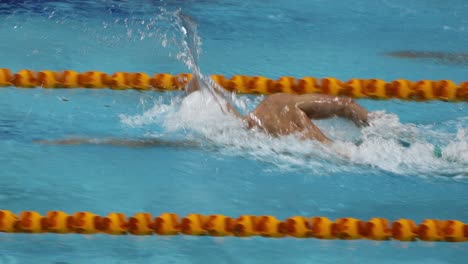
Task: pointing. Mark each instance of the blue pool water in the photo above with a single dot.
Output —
(236, 172)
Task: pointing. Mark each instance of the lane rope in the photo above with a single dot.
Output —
(169, 224)
(422, 90)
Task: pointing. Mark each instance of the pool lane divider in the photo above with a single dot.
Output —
(170, 224)
(445, 90)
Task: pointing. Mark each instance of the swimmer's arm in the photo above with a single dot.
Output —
(233, 110)
(194, 85)
(324, 106)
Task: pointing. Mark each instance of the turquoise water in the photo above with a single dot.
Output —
(237, 172)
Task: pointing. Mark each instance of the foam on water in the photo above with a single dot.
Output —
(387, 144)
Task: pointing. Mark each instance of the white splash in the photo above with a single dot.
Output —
(457, 150)
(154, 115)
(386, 145)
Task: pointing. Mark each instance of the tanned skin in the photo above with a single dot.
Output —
(283, 114)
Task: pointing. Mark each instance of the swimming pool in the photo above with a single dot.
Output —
(244, 174)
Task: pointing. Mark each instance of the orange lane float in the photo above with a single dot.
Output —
(170, 224)
(445, 90)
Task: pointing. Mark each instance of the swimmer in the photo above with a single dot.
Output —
(284, 114)
(277, 115)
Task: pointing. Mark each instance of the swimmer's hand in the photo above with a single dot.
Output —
(355, 113)
(362, 123)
